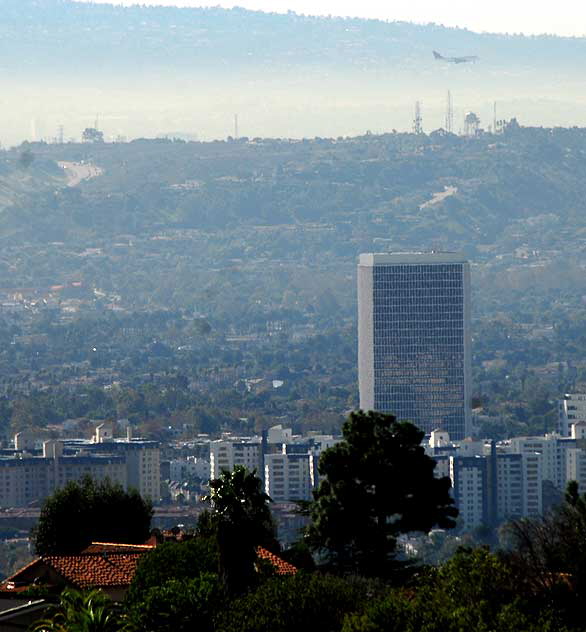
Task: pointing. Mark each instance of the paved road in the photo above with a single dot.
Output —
(76, 172)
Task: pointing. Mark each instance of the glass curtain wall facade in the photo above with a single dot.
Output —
(414, 339)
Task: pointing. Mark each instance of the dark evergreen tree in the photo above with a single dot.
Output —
(89, 511)
(378, 483)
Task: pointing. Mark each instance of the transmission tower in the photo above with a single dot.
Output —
(494, 119)
(418, 120)
(449, 114)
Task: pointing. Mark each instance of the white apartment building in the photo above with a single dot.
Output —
(191, 467)
(469, 489)
(32, 478)
(571, 409)
(576, 467)
(552, 451)
(288, 477)
(142, 458)
(509, 483)
(225, 454)
(532, 484)
(278, 434)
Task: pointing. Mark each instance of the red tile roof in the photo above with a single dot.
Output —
(96, 570)
(103, 565)
(88, 570)
(113, 547)
(281, 567)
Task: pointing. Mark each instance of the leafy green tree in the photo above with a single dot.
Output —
(178, 605)
(173, 561)
(548, 553)
(378, 483)
(82, 612)
(89, 511)
(301, 602)
(476, 590)
(241, 520)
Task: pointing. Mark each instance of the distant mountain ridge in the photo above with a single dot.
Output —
(148, 70)
(181, 36)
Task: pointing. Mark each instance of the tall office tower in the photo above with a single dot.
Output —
(414, 338)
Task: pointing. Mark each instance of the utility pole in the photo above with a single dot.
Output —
(418, 120)
(494, 119)
(449, 114)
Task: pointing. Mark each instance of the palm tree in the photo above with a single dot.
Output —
(242, 521)
(90, 611)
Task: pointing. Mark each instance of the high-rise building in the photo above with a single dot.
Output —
(414, 338)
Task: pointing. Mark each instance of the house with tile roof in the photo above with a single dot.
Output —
(281, 567)
(112, 572)
(108, 566)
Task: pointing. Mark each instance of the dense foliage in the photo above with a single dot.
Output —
(76, 611)
(240, 520)
(251, 250)
(377, 483)
(89, 511)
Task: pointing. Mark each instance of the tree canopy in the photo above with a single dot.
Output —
(241, 520)
(88, 511)
(77, 611)
(378, 482)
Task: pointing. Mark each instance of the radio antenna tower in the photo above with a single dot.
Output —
(449, 114)
(494, 118)
(418, 120)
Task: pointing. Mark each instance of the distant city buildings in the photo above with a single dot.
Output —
(414, 338)
(286, 463)
(495, 482)
(29, 475)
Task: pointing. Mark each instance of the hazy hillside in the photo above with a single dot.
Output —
(150, 70)
(514, 203)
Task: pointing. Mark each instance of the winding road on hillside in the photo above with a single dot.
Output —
(77, 172)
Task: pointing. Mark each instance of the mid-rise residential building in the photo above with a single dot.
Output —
(509, 500)
(288, 476)
(28, 475)
(469, 488)
(414, 338)
(552, 449)
(225, 454)
(490, 483)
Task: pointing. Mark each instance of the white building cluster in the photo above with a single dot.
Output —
(494, 482)
(28, 474)
(287, 463)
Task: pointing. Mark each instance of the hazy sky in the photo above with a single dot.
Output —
(564, 17)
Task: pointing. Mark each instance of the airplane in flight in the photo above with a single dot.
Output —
(455, 60)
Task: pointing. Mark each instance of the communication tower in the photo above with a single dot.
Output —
(471, 124)
(449, 114)
(494, 120)
(418, 120)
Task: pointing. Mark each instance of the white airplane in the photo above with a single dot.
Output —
(455, 60)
